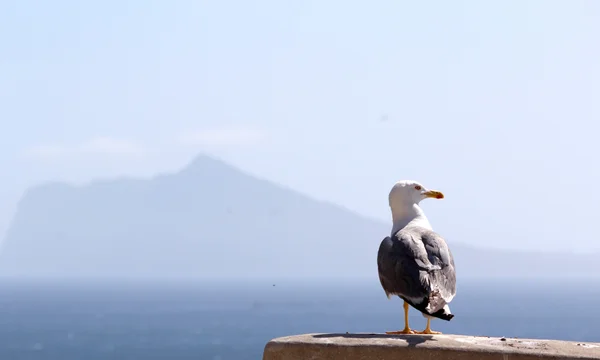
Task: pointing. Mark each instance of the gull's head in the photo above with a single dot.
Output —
(407, 193)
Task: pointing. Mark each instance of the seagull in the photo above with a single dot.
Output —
(414, 262)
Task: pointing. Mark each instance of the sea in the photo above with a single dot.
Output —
(233, 320)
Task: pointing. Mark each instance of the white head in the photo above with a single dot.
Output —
(404, 199)
(408, 192)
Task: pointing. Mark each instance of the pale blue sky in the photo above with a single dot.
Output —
(493, 102)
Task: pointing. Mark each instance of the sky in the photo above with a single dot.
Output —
(494, 103)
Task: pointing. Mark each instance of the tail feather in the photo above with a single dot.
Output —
(435, 302)
(444, 313)
(435, 306)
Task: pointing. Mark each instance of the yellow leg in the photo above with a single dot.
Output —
(428, 329)
(407, 329)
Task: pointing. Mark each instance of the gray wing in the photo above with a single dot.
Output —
(414, 263)
(439, 255)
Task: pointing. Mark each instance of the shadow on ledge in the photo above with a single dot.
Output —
(411, 340)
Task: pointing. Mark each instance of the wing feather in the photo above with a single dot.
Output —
(417, 265)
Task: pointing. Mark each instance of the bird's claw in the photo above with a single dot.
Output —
(401, 332)
(428, 332)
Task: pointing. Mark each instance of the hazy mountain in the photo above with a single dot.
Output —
(212, 220)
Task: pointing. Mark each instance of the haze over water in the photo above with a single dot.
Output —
(234, 320)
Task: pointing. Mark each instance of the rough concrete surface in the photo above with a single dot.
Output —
(412, 347)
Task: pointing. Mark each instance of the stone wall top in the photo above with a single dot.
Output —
(408, 347)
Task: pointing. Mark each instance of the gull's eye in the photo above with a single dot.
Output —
(418, 187)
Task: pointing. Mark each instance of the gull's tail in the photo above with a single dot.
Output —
(435, 306)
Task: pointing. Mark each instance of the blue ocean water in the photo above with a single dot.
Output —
(233, 320)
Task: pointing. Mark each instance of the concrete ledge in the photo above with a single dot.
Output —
(412, 347)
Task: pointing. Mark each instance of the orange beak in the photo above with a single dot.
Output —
(434, 194)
